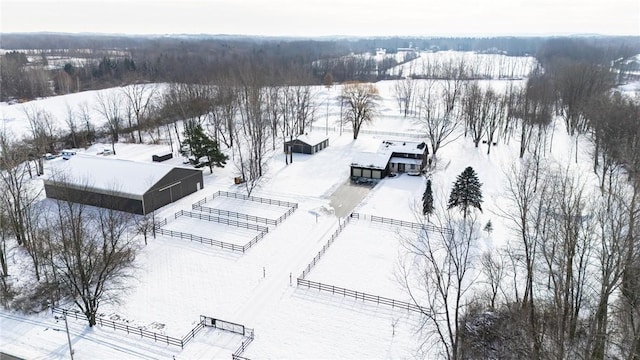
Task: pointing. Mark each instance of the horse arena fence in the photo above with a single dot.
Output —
(360, 295)
(303, 282)
(324, 249)
(205, 321)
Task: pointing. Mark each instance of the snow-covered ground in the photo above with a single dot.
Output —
(178, 280)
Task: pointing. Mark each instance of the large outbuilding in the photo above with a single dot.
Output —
(131, 186)
(306, 144)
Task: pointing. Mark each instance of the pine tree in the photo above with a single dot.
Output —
(202, 146)
(466, 192)
(427, 200)
(488, 227)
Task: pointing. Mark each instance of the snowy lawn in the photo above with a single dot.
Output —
(365, 258)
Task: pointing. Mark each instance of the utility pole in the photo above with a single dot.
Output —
(66, 325)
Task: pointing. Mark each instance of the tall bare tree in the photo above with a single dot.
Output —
(139, 98)
(439, 276)
(92, 254)
(439, 123)
(404, 91)
(360, 103)
(109, 105)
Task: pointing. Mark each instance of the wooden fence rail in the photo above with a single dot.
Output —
(202, 240)
(233, 214)
(361, 296)
(412, 225)
(220, 220)
(255, 198)
(205, 321)
(373, 132)
(315, 260)
(169, 340)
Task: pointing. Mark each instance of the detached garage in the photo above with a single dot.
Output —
(306, 144)
(130, 186)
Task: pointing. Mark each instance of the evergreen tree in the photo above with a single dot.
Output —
(204, 150)
(488, 227)
(466, 192)
(427, 200)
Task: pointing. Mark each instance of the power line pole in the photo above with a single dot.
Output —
(66, 325)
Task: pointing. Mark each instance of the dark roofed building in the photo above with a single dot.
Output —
(131, 186)
(307, 144)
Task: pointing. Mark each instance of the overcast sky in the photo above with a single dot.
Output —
(325, 17)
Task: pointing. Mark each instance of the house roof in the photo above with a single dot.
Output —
(105, 174)
(404, 147)
(371, 160)
(312, 139)
(401, 160)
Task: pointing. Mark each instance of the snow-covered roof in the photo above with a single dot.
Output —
(400, 160)
(125, 177)
(312, 139)
(371, 160)
(405, 147)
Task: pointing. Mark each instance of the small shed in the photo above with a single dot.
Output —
(306, 144)
(370, 165)
(130, 186)
(162, 157)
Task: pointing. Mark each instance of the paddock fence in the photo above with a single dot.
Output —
(407, 224)
(361, 296)
(205, 321)
(225, 221)
(290, 205)
(326, 246)
(372, 132)
(262, 231)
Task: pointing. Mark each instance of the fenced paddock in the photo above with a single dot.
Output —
(219, 232)
(204, 322)
(377, 280)
(248, 208)
(380, 245)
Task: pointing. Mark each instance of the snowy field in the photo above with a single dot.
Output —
(364, 258)
(177, 281)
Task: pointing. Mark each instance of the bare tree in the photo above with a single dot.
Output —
(611, 219)
(92, 254)
(439, 123)
(72, 123)
(360, 102)
(438, 272)
(41, 124)
(404, 91)
(565, 253)
(18, 192)
(85, 119)
(139, 98)
(109, 106)
(526, 214)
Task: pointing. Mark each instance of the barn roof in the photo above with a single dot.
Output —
(312, 139)
(125, 177)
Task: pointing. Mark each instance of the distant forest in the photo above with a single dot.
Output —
(102, 61)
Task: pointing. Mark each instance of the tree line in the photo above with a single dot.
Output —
(566, 285)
